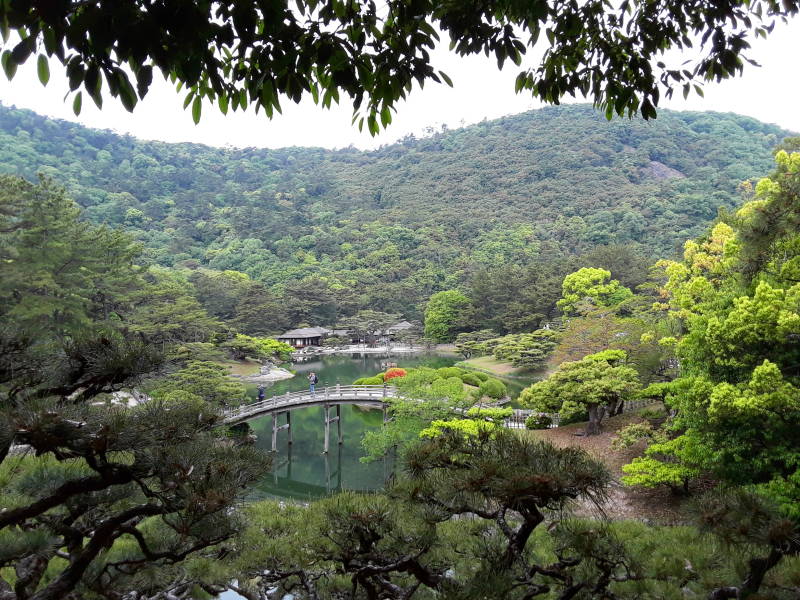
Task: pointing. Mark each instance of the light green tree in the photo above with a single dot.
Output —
(242, 346)
(738, 404)
(202, 379)
(598, 383)
(444, 315)
(592, 285)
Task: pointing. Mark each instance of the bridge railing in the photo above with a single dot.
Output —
(332, 393)
(519, 417)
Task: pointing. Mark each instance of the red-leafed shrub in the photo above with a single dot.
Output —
(392, 373)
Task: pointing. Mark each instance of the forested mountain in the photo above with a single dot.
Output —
(348, 229)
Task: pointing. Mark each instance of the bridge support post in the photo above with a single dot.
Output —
(327, 413)
(327, 474)
(276, 429)
(328, 421)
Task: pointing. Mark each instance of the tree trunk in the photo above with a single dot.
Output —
(595, 416)
(758, 570)
(753, 580)
(611, 408)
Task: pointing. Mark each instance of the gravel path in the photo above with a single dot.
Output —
(654, 505)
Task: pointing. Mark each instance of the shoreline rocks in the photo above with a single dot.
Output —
(273, 374)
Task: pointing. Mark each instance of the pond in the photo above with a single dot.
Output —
(301, 471)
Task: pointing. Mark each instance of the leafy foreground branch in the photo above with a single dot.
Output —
(482, 516)
(238, 54)
(118, 493)
(96, 498)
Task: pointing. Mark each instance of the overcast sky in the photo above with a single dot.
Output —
(770, 93)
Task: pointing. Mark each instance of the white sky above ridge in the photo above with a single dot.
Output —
(770, 93)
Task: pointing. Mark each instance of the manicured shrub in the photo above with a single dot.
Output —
(421, 376)
(446, 372)
(494, 388)
(481, 376)
(471, 379)
(538, 422)
(375, 380)
(452, 388)
(394, 372)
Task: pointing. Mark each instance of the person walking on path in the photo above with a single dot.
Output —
(312, 381)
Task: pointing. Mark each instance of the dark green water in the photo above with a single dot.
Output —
(301, 471)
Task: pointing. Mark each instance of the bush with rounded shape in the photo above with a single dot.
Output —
(471, 379)
(451, 388)
(419, 377)
(394, 372)
(375, 380)
(446, 372)
(481, 376)
(538, 422)
(494, 388)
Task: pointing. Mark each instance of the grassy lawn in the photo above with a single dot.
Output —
(243, 368)
(492, 365)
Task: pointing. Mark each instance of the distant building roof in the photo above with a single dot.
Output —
(402, 325)
(305, 332)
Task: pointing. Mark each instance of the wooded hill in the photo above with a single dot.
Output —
(412, 218)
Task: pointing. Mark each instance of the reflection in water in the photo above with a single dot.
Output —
(301, 470)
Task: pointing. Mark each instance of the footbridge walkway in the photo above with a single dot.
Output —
(334, 397)
(375, 395)
(328, 398)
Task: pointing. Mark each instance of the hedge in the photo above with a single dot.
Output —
(471, 379)
(447, 372)
(494, 388)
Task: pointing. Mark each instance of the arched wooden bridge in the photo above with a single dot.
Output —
(328, 397)
(334, 397)
(375, 395)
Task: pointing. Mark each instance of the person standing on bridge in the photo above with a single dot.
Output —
(312, 381)
(260, 392)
